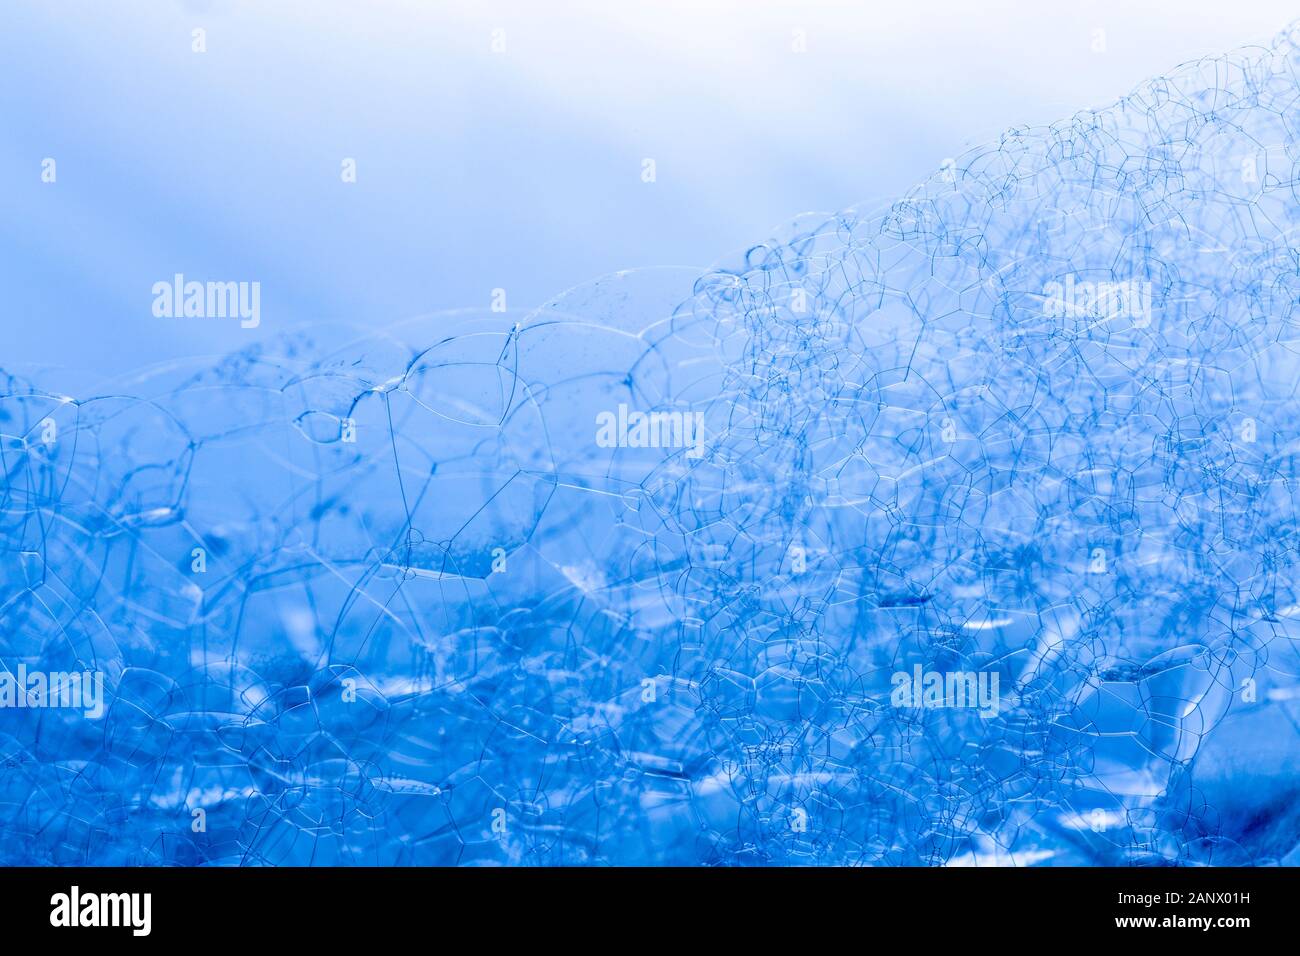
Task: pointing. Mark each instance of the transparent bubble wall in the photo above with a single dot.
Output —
(391, 598)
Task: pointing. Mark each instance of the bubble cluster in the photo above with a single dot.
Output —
(390, 598)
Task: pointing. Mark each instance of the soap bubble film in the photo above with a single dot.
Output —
(958, 530)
